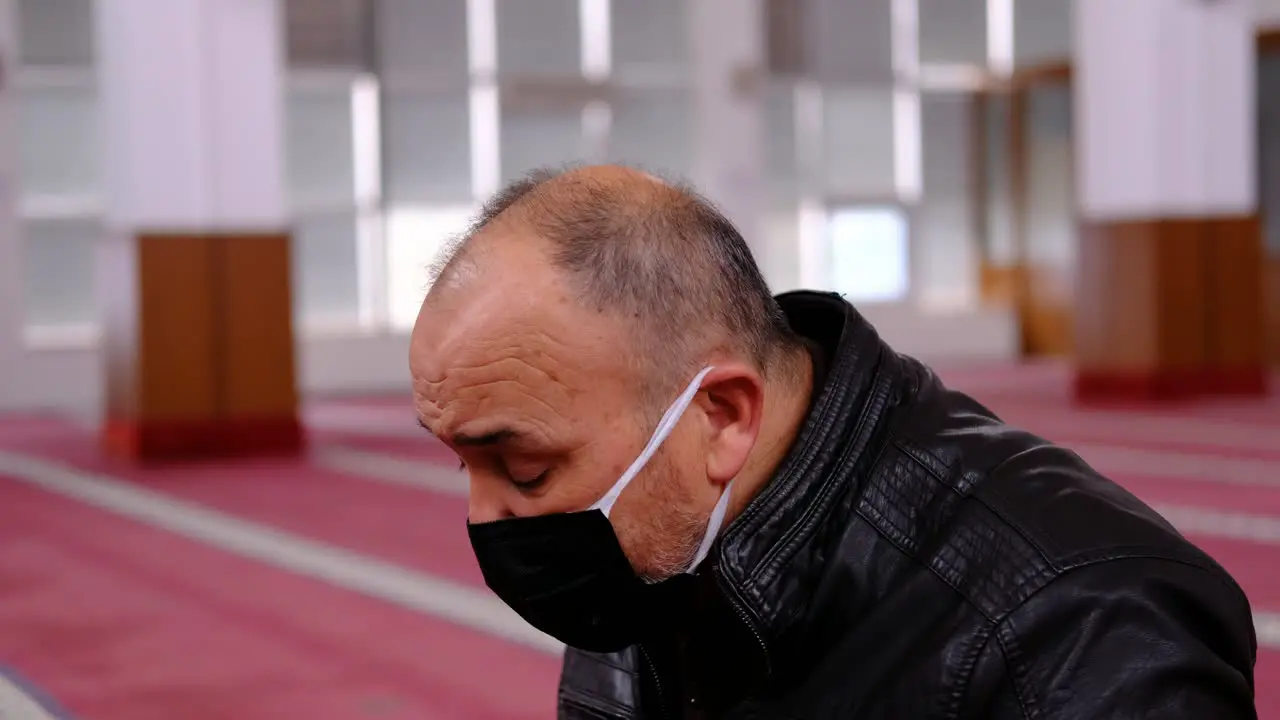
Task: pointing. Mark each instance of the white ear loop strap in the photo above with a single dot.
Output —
(668, 423)
(713, 528)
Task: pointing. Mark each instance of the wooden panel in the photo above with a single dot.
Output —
(1234, 261)
(200, 347)
(1045, 311)
(1116, 306)
(998, 284)
(178, 355)
(1169, 308)
(257, 330)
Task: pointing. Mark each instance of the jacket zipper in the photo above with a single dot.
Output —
(657, 682)
(737, 602)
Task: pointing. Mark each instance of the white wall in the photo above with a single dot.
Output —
(71, 377)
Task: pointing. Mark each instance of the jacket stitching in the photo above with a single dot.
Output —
(880, 523)
(970, 663)
(1017, 674)
(860, 439)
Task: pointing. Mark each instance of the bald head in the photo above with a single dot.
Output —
(568, 320)
(654, 257)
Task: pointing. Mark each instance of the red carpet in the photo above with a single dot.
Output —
(118, 620)
(407, 526)
(121, 621)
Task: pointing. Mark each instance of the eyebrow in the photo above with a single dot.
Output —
(493, 437)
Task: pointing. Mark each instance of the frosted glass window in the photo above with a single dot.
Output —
(649, 35)
(954, 31)
(415, 238)
(539, 138)
(421, 39)
(539, 37)
(654, 130)
(56, 32)
(1051, 217)
(858, 141)
(320, 141)
(999, 246)
(58, 141)
(1041, 31)
(852, 40)
(780, 138)
(426, 147)
(329, 33)
(326, 286)
(868, 253)
(59, 257)
(944, 229)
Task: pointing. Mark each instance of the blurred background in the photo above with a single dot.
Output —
(213, 499)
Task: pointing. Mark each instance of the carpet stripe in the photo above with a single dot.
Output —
(20, 701)
(457, 603)
(466, 606)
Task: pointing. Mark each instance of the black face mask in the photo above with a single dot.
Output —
(566, 574)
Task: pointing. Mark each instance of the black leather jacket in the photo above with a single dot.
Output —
(914, 558)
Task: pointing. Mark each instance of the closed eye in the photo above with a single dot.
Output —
(531, 484)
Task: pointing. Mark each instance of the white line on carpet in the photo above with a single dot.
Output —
(466, 606)
(1114, 461)
(462, 605)
(392, 469)
(17, 704)
(1267, 627)
(1264, 529)
(1155, 430)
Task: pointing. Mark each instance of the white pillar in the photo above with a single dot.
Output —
(192, 108)
(11, 263)
(1165, 108)
(727, 53)
(1169, 299)
(192, 114)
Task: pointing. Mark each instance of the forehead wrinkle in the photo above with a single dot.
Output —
(466, 395)
(512, 383)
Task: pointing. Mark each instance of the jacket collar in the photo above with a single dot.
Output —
(770, 552)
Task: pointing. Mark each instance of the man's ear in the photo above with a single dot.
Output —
(732, 398)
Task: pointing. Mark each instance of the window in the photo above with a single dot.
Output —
(59, 179)
(953, 31)
(868, 253)
(542, 38)
(1042, 31)
(322, 156)
(415, 239)
(652, 129)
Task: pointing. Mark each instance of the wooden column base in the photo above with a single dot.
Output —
(1170, 309)
(1273, 308)
(190, 440)
(199, 347)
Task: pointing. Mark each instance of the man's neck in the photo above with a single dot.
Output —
(786, 405)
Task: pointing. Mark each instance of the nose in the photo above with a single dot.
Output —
(486, 500)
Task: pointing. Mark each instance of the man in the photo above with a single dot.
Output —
(734, 506)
